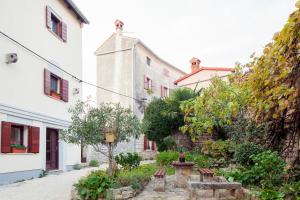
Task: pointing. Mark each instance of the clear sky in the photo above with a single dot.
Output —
(218, 32)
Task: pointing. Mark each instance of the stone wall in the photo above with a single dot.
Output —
(123, 193)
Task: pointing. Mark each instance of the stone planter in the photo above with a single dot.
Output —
(122, 193)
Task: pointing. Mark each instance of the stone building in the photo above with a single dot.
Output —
(127, 66)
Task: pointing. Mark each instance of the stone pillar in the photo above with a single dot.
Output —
(182, 173)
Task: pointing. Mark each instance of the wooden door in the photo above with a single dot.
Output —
(51, 149)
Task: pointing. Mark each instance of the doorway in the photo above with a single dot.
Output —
(51, 149)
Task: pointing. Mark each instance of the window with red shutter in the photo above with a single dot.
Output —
(5, 137)
(34, 139)
(55, 86)
(55, 24)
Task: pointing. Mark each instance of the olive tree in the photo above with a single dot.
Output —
(89, 124)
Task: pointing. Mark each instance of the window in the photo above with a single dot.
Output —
(148, 61)
(55, 24)
(17, 138)
(55, 86)
(17, 135)
(164, 91)
(147, 83)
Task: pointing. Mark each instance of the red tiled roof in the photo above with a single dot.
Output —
(204, 68)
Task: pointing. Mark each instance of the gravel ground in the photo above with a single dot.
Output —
(50, 187)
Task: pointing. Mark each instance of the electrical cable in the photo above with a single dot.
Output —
(66, 72)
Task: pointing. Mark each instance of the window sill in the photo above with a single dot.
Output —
(57, 36)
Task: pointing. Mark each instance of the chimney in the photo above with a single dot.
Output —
(195, 64)
(119, 26)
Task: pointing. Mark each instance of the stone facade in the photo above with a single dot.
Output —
(127, 66)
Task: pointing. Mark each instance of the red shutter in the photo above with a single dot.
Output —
(64, 31)
(145, 142)
(152, 145)
(161, 91)
(5, 137)
(64, 90)
(47, 82)
(48, 17)
(34, 140)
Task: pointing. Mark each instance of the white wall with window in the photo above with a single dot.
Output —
(30, 98)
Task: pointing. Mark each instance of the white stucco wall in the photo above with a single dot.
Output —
(203, 77)
(22, 84)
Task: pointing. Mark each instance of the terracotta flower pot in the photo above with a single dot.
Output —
(55, 95)
(18, 150)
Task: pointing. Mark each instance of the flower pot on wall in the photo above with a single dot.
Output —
(18, 150)
(55, 95)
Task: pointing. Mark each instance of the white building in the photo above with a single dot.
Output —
(200, 76)
(35, 95)
(127, 66)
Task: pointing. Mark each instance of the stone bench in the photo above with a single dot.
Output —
(200, 190)
(160, 180)
(206, 175)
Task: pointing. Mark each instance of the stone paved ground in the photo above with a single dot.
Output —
(171, 192)
(50, 187)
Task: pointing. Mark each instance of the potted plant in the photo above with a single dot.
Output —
(18, 148)
(149, 91)
(55, 95)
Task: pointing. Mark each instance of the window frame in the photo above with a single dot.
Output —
(58, 25)
(148, 61)
(149, 83)
(58, 79)
(61, 28)
(21, 127)
(165, 91)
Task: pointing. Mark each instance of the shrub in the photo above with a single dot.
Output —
(266, 172)
(166, 158)
(216, 149)
(129, 160)
(202, 161)
(291, 190)
(243, 152)
(139, 175)
(77, 166)
(268, 167)
(94, 163)
(271, 194)
(94, 185)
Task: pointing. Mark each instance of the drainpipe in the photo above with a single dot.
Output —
(133, 88)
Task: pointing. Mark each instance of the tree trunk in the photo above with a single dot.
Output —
(110, 159)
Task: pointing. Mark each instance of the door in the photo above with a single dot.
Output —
(51, 149)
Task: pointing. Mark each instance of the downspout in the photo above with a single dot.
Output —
(133, 89)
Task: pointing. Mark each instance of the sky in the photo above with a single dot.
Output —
(218, 32)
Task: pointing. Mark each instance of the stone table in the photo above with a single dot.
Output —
(182, 173)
